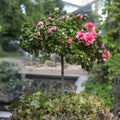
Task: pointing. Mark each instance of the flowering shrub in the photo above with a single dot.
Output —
(69, 36)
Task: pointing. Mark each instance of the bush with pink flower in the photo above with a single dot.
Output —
(72, 37)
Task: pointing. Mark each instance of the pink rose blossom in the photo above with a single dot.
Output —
(106, 55)
(57, 9)
(102, 46)
(38, 34)
(80, 35)
(94, 34)
(89, 38)
(50, 19)
(70, 41)
(53, 28)
(90, 26)
(79, 16)
(104, 59)
(49, 31)
(40, 24)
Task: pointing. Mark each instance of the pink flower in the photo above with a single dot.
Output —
(104, 59)
(89, 38)
(90, 26)
(102, 46)
(106, 55)
(79, 16)
(50, 19)
(38, 34)
(57, 9)
(80, 35)
(70, 41)
(94, 34)
(40, 24)
(49, 31)
(53, 28)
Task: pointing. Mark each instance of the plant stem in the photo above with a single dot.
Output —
(62, 75)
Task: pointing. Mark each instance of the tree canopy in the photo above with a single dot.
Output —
(112, 24)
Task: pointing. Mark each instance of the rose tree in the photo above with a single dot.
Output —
(71, 37)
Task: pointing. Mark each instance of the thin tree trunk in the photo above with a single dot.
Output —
(62, 75)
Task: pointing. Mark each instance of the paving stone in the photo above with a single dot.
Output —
(5, 115)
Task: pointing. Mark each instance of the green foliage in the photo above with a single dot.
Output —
(70, 106)
(57, 41)
(8, 76)
(11, 20)
(49, 6)
(99, 84)
(114, 66)
(13, 17)
(101, 80)
(0, 28)
(112, 24)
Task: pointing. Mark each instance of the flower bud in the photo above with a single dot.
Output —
(38, 34)
(49, 19)
(70, 41)
(102, 46)
(79, 16)
(57, 9)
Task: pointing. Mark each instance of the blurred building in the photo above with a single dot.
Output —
(84, 7)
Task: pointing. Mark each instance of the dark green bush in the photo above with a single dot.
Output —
(10, 46)
(8, 77)
(68, 107)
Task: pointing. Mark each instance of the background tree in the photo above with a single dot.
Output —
(14, 13)
(111, 25)
(11, 19)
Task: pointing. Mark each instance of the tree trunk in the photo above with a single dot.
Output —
(62, 75)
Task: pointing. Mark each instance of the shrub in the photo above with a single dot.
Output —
(10, 45)
(8, 77)
(72, 37)
(70, 107)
